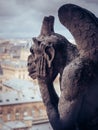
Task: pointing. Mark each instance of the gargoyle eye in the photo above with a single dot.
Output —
(38, 42)
(31, 50)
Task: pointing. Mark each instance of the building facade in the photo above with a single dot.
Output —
(21, 108)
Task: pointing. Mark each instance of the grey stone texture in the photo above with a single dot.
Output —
(53, 54)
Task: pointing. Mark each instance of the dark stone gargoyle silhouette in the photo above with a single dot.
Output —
(77, 106)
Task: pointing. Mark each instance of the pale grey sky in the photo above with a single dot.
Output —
(23, 18)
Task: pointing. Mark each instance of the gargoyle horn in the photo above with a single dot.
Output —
(47, 26)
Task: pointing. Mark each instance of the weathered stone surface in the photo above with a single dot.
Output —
(80, 77)
(51, 53)
(47, 26)
(82, 24)
(49, 44)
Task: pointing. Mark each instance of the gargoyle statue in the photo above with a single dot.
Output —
(53, 54)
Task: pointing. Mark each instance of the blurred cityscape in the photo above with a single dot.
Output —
(21, 106)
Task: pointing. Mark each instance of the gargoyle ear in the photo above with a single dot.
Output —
(50, 53)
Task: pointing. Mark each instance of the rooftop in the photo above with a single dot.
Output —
(19, 84)
(23, 91)
(14, 124)
(41, 125)
(14, 97)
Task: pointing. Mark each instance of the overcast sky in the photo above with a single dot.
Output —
(23, 18)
